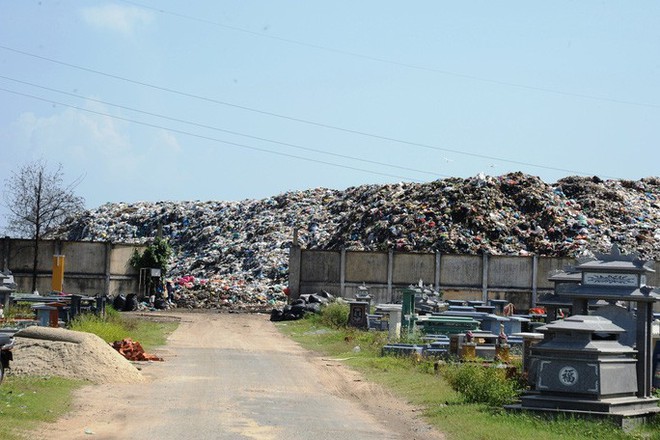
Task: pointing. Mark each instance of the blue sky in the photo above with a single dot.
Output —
(227, 100)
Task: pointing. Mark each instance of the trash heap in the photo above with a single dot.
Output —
(235, 254)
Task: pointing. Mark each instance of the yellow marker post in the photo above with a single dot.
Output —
(57, 283)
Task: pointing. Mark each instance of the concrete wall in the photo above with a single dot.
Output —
(366, 267)
(468, 277)
(90, 268)
(320, 266)
(461, 271)
(410, 268)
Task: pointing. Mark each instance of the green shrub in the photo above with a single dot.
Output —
(481, 384)
(335, 315)
(110, 329)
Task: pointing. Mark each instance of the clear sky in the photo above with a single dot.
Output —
(226, 100)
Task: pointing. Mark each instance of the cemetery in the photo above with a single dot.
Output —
(592, 353)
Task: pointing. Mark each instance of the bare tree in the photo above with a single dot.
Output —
(38, 200)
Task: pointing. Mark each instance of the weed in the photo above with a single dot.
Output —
(481, 384)
(108, 329)
(115, 327)
(335, 315)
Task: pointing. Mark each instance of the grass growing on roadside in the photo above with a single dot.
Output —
(335, 315)
(116, 326)
(27, 401)
(110, 329)
(416, 381)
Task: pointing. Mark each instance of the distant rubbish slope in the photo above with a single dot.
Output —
(513, 214)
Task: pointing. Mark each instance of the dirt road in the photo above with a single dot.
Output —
(230, 376)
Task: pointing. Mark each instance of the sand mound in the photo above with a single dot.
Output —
(44, 351)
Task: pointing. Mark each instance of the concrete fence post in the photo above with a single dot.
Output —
(5, 253)
(108, 265)
(436, 285)
(295, 260)
(390, 274)
(484, 279)
(342, 273)
(535, 282)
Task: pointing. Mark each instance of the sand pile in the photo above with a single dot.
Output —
(44, 351)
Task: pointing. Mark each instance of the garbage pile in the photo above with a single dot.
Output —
(237, 252)
(307, 303)
(513, 214)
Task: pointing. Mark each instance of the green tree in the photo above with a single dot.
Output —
(156, 255)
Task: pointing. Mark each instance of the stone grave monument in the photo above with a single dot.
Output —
(582, 366)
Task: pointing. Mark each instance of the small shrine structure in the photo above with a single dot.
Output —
(588, 364)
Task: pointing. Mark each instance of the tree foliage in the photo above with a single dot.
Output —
(38, 199)
(156, 255)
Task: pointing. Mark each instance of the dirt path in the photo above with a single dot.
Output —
(229, 376)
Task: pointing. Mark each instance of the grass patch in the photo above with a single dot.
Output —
(451, 412)
(25, 402)
(481, 384)
(116, 326)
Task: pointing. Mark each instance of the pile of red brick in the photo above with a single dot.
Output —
(133, 351)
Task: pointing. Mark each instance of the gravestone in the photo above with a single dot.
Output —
(582, 362)
(582, 367)
(357, 314)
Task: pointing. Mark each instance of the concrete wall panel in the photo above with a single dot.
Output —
(461, 270)
(87, 258)
(507, 271)
(320, 266)
(119, 257)
(21, 255)
(410, 268)
(366, 267)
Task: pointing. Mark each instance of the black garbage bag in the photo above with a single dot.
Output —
(276, 315)
(313, 307)
(327, 295)
(288, 313)
(317, 299)
(160, 303)
(295, 309)
(119, 302)
(131, 303)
